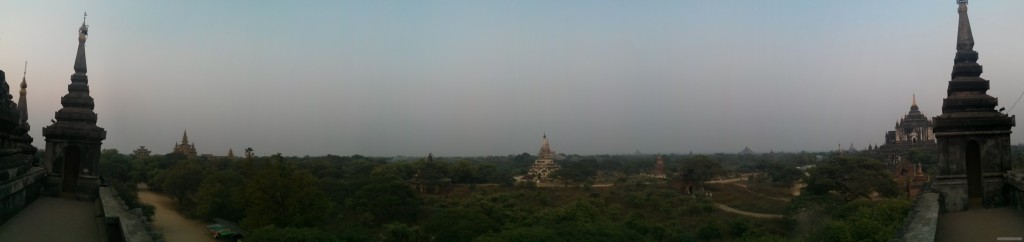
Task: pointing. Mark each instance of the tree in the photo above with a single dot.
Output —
(576, 172)
(144, 169)
(222, 195)
(399, 232)
(386, 200)
(181, 182)
(784, 175)
(282, 196)
(699, 169)
(864, 220)
(459, 224)
(115, 166)
(849, 178)
(522, 234)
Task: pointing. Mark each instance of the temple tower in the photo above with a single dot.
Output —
(430, 178)
(141, 152)
(973, 138)
(185, 148)
(545, 163)
(73, 141)
(22, 130)
(659, 168)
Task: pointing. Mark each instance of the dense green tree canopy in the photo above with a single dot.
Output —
(282, 196)
(700, 169)
(850, 178)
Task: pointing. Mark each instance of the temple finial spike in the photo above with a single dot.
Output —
(914, 102)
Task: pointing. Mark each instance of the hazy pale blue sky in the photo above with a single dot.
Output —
(489, 77)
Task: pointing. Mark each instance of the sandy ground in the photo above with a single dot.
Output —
(53, 219)
(997, 224)
(173, 225)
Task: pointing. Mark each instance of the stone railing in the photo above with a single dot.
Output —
(922, 220)
(122, 224)
(18, 189)
(1015, 179)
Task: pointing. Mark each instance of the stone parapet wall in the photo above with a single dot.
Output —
(18, 192)
(131, 224)
(1015, 180)
(922, 221)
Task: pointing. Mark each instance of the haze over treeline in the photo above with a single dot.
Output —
(479, 78)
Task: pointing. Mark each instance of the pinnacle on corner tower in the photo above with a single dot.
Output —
(973, 137)
(73, 141)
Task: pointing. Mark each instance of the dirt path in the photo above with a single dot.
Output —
(169, 222)
(745, 213)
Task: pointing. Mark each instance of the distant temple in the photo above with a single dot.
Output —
(430, 178)
(73, 140)
(659, 168)
(746, 151)
(185, 148)
(544, 165)
(141, 152)
(912, 132)
(909, 176)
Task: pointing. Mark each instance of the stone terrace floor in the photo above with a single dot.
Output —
(997, 224)
(53, 219)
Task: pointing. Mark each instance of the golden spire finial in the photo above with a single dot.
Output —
(914, 98)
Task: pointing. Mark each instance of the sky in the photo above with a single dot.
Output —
(387, 78)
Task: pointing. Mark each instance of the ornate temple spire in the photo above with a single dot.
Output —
(545, 149)
(964, 37)
(184, 138)
(22, 102)
(913, 103)
(83, 34)
(965, 64)
(77, 104)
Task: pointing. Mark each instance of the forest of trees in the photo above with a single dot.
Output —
(358, 198)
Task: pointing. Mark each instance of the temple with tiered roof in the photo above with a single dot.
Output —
(544, 165)
(912, 132)
(185, 148)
